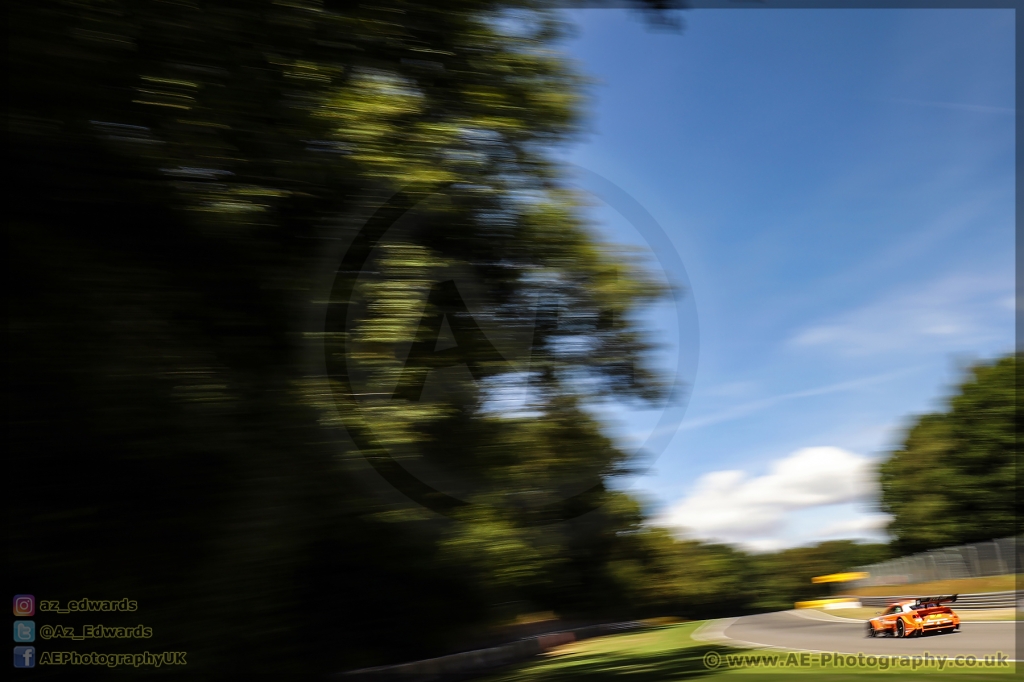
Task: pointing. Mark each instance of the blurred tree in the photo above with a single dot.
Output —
(779, 579)
(664, 576)
(954, 480)
(180, 170)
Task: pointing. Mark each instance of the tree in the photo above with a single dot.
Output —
(953, 481)
(779, 579)
(180, 171)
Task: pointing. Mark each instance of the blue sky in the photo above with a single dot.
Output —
(840, 187)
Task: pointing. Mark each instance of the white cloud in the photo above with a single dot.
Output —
(953, 312)
(732, 506)
(868, 524)
(764, 545)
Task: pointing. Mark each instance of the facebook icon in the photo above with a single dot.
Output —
(24, 657)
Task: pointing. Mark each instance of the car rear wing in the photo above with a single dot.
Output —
(935, 600)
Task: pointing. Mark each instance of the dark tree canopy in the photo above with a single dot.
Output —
(183, 173)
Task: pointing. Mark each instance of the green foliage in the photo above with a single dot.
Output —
(954, 479)
(782, 578)
(183, 171)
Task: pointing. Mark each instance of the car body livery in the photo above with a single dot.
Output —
(910, 617)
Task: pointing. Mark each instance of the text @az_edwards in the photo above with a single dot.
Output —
(95, 632)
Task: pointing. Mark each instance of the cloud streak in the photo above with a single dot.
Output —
(744, 409)
(978, 108)
(952, 312)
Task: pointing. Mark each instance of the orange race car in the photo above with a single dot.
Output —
(910, 617)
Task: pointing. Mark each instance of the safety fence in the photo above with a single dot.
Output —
(977, 560)
(986, 600)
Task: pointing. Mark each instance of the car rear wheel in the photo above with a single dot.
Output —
(900, 630)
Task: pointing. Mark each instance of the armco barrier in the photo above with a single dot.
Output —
(984, 600)
(471, 663)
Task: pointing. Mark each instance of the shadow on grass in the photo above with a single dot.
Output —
(636, 666)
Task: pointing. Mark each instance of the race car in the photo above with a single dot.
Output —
(910, 617)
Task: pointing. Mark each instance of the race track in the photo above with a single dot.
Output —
(816, 631)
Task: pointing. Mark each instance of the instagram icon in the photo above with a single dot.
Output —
(24, 605)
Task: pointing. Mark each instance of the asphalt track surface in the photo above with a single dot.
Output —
(801, 630)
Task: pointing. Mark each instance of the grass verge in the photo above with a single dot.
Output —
(668, 653)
